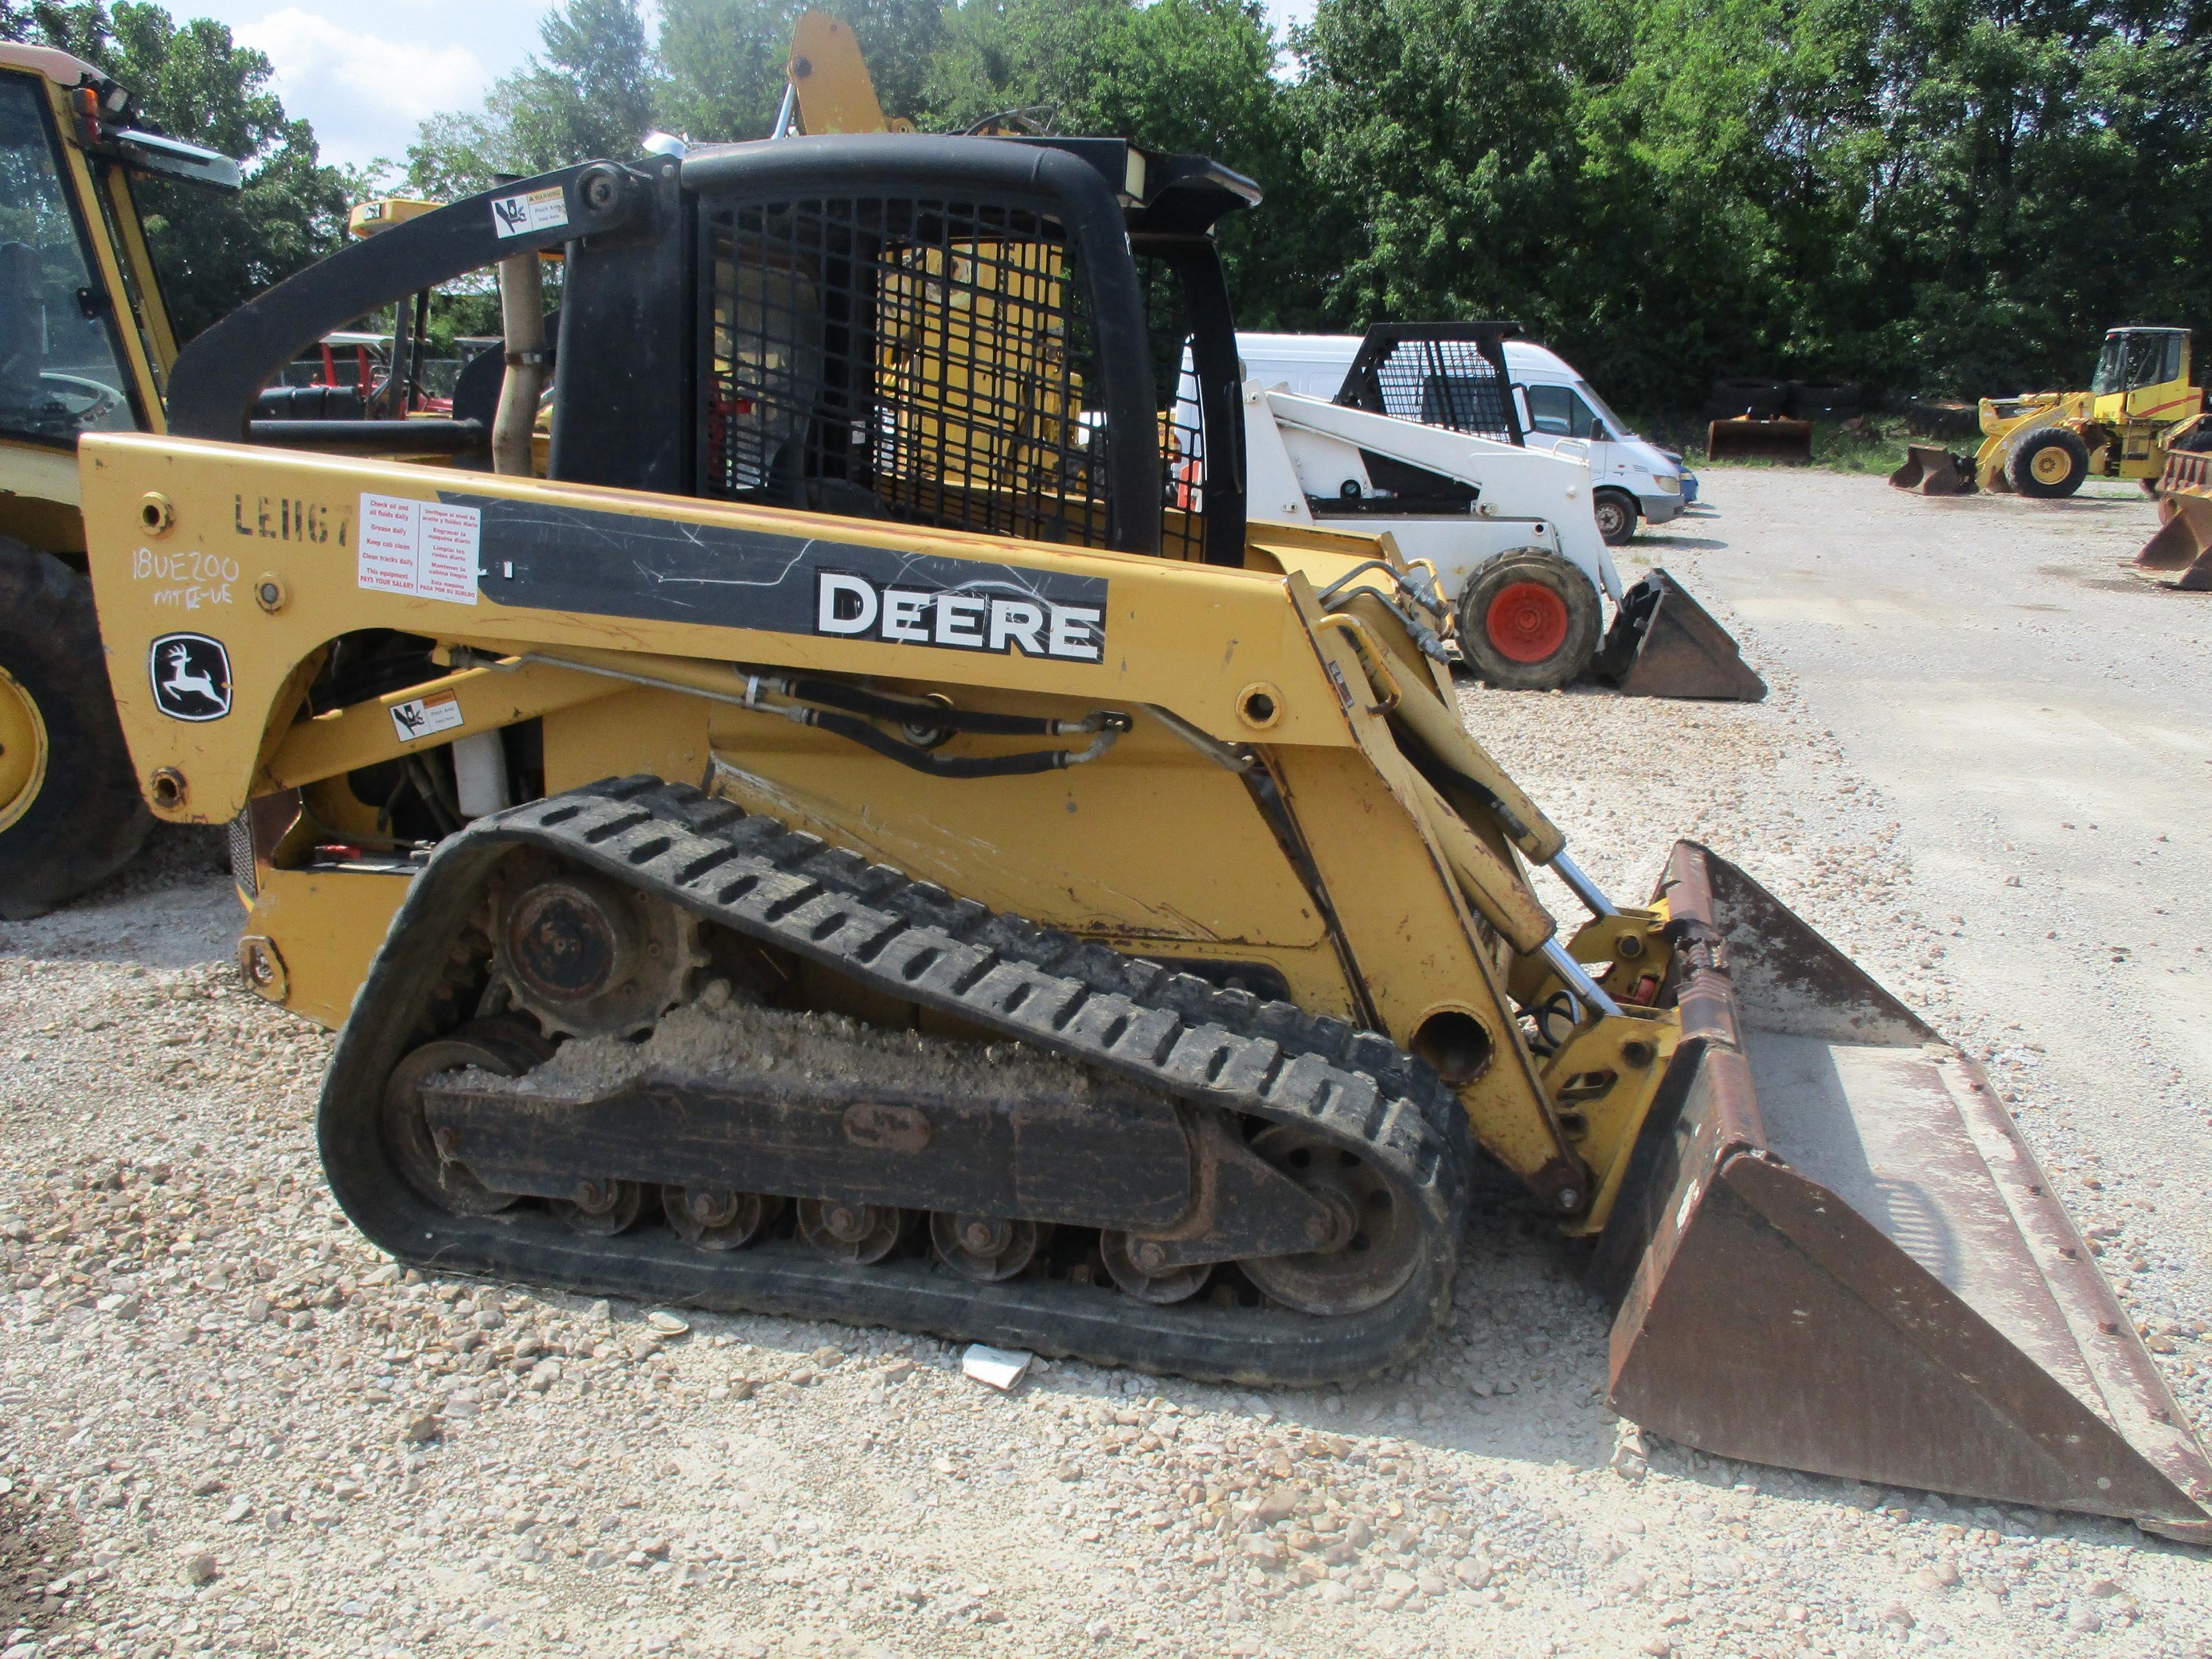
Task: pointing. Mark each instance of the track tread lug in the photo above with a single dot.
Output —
(1127, 1014)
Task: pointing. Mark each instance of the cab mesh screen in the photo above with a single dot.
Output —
(925, 361)
(1182, 425)
(1448, 383)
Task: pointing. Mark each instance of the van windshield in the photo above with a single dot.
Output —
(1614, 424)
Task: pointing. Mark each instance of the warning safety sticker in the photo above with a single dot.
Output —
(422, 717)
(534, 209)
(426, 548)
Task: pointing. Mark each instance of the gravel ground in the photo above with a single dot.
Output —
(227, 1426)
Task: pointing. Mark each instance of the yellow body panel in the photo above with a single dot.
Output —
(1373, 898)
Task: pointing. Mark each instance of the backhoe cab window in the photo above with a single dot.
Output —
(59, 371)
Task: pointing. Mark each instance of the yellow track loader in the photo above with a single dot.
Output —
(868, 834)
(2046, 444)
(85, 346)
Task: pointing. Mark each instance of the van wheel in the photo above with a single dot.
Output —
(1616, 516)
(69, 811)
(1529, 620)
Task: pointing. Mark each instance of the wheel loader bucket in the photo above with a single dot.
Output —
(1933, 471)
(2183, 546)
(1746, 439)
(1663, 643)
(1834, 1252)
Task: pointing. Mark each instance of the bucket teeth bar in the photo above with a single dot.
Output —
(911, 941)
(1841, 1256)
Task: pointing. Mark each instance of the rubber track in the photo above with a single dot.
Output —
(912, 940)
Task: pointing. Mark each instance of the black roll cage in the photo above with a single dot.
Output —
(628, 325)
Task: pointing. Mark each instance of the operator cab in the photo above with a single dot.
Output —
(2146, 372)
(84, 340)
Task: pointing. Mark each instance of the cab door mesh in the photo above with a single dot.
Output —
(923, 360)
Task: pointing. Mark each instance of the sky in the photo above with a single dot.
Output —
(367, 75)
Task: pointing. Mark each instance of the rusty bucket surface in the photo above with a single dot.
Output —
(1935, 471)
(2183, 546)
(1747, 438)
(1835, 1253)
(1663, 643)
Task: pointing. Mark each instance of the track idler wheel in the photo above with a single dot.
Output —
(502, 1049)
(602, 1208)
(717, 1218)
(985, 1247)
(861, 1234)
(1376, 1245)
(1161, 1285)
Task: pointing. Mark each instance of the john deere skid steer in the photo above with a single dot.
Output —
(863, 836)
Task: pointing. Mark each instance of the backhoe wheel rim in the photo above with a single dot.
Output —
(22, 749)
(1356, 1272)
(2050, 464)
(1527, 622)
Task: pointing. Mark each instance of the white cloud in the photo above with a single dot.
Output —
(365, 94)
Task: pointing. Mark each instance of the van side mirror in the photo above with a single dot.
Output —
(1597, 431)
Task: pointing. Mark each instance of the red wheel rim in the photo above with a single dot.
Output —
(1527, 622)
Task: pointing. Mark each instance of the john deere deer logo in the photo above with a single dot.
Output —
(191, 676)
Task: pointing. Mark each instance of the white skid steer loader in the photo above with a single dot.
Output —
(1508, 530)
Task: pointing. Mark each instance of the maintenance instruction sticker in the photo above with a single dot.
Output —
(423, 717)
(534, 209)
(425, 549)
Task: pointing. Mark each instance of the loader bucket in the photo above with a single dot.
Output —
(1933, 471)
(1834, 1253)
(1663, 643)
(1745, 439)
(2183, 545)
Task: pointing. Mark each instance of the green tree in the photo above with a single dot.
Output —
(192, 80)
(725, 59)
(590, 92)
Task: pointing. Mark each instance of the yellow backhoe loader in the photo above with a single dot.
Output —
(870, 834)
(85, 346)
(2046, 444)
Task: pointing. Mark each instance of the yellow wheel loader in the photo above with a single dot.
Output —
(85, 346)
(871, 834)
(2046, 444)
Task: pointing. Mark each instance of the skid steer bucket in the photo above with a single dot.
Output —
(1748, 438)
(1935, 471)
(1836, 1253)
(1663, 643)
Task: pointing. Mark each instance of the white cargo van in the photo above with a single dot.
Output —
(1631, 479)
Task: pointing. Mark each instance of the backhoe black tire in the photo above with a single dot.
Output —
(72, 816)
(1615, 511)
(1529, 620)
(2047, 463)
